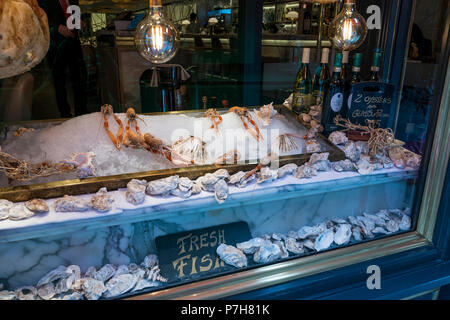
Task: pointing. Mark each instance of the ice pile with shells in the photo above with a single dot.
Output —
(110, 281)
(86, 137)
(308, 239)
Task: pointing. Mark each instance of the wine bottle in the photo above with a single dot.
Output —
(303, 86)
(321, 79)
(375, 69)
(306, 19)
(345, 73)
(334, 99)
(355, 78)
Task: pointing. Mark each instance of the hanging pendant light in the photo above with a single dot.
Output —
(156, 37)
(348, 30)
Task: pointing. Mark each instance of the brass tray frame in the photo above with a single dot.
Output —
(92, 185)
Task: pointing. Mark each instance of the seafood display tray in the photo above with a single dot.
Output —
(114, 182)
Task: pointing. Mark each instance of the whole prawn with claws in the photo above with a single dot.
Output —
(246, 118)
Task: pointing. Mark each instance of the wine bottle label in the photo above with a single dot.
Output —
(300, 102)
(318, 97)
(306, 54)
(345, 55)
(336, 102)
(375, 68)
(337, 69)
(356, 69)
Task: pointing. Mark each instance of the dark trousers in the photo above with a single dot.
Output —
(67, 52)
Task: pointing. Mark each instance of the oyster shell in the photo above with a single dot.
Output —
(221, 191)
(155, 275)
(37, 206)
(278, 236)
(26, 293)
(222, 174)
(362, 147)
(338, 137)
(65, 284)
(308, 243)
(405, 223)
(305, 171)
(208, 182)
(90, 272)
(105, 273)
(356, 234)
(284, 251)
(293, 246)
(343, 234)
(324, 240)
(47, 291)
(292, 234)
(376, 219)
(185, 184)
(392, 226)
(311, 232)
(320, 161)
(150, 261)
(250, 247)
(19, 212)
(162, 186)
(286, 170)
(267, 175)
(92, 288)
(71, 204)
(268, 252)
(59, 273)
(243, 183)
(102, 201)
(351, 152)
(7, 295)
(72, 296)
(144, 284)
(235, 178)
(312, 146)
(365, 167)
(136, 191)
(196, 188)
(380, 230)
(5, 206)
(344, 165)
(120, 285)
(122, 269)
(232, 256)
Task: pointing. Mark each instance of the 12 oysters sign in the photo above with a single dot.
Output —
(192, 255)
(370, 101)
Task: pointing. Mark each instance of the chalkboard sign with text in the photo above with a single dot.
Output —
(191, 255)
(370, 101)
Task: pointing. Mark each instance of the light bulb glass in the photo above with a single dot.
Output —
(348, 30)
(156, 37)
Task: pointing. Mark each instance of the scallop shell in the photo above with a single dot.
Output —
(120, 285)
(5, 206)
(102, 201)
(232, 256)
(37, 206)
(20, 212)
(71, 204)
(162, 186)
(136, 191)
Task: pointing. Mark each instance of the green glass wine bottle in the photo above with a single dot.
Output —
(334, 101)
(356, 78)
(321, 79)
(303, 86)
(375, 69)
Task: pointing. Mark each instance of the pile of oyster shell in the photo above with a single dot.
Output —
(110, 281)
(332, 233)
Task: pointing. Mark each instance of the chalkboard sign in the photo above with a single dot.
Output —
(370, 101)
(192, 255)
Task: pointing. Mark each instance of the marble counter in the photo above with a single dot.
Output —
(30, 248)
